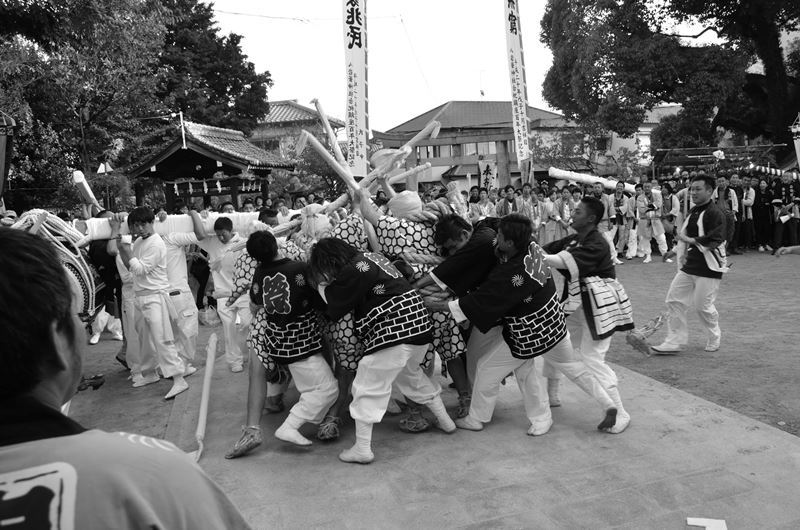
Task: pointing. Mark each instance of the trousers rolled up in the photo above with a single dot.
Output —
(372, 385)
(689, 290)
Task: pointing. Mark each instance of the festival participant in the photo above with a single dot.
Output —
(564, 209)
(530, 207)
(748, 199)
(670, 206)
(154, 311)
(510, 204)
(633, 225)
(586, 262)
(394, 327)
(106, 268)
(55, 473)
(762, 216)
(482, 209)
(407, 236)
(286, 332)
(248, 206)
(129, 357)
(728, 203)
(697, 282)
(180, 293)
(648, 206)
(787, 194)
(235, 317)
(519, 292)
(549, 218)
(619, 214)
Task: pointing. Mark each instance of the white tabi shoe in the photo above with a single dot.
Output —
(177, 388)
(355, 456)
(712, 345)
(666, 348)
(623, 420)
(468, 423)
(540, 427)
(139, 380)
(291, 435)
(647, 259)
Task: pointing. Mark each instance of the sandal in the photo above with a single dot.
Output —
(415, 422)
(464, 400)
(251, 438)
(329, 429)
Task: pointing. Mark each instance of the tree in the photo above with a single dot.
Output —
(207, 76)
(614, 60)
(682, 130)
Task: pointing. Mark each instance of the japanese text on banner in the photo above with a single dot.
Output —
(354, 18)
(516, 69)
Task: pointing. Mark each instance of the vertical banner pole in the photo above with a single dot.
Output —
(354, 18)
(519, 91)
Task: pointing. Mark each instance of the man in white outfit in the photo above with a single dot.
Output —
(155, 320)
(180, 293)
(235, 317)
(697, 282)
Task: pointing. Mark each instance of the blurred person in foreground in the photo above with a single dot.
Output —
(55, 473)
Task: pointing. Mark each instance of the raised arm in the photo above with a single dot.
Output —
(197, 223)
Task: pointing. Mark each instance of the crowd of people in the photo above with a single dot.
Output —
(353, 299)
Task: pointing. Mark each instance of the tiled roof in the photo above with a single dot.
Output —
(470, 115)
(288, 111)
(233, 144)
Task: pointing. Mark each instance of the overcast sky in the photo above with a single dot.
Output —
(422, 53)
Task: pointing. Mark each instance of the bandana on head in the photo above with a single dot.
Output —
(405, 204)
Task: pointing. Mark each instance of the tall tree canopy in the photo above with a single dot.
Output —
(206, 75)
(613, 60)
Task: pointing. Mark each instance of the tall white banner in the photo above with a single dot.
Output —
(795, 128)
(354, 17)
(519, 91)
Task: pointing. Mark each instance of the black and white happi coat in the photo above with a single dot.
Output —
(520, 294)
(401, 235)
(592, 282)
(285, 328)
(386, 309)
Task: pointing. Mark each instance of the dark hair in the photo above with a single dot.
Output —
(267, 213)
(638, 185)
(509, 187)
(517, 228)
(722, 176)
(64, 216)
(708, 180)
(102, 214)
(527, 185)
(482, 189)
(36, 293)
(223, 223)
(224, 204)
(262, 246)
(668, 188)
(595, 207)
(247, 201)
(329, 256)
(141, 215)
(476, 188)
(449, 227)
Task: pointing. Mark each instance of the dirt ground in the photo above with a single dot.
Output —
(755, 372)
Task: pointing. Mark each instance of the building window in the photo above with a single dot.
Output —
(445, 151)
(487, 148)
(456, 150)
(470, 149)
(425, 151)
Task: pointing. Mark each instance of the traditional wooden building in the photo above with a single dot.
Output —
(206, 162)
(279, 130)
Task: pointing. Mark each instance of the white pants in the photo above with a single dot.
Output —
(317, 386)
(235, 334)
(133, 351)
(592, 352)
(609, 235)
(372, 386)
(698, 291)
(661, 239)
(492, 368)
(622, 230)
(156, 340)
(187, 324)
(478, 345)
(104, 320)
(633, 244)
